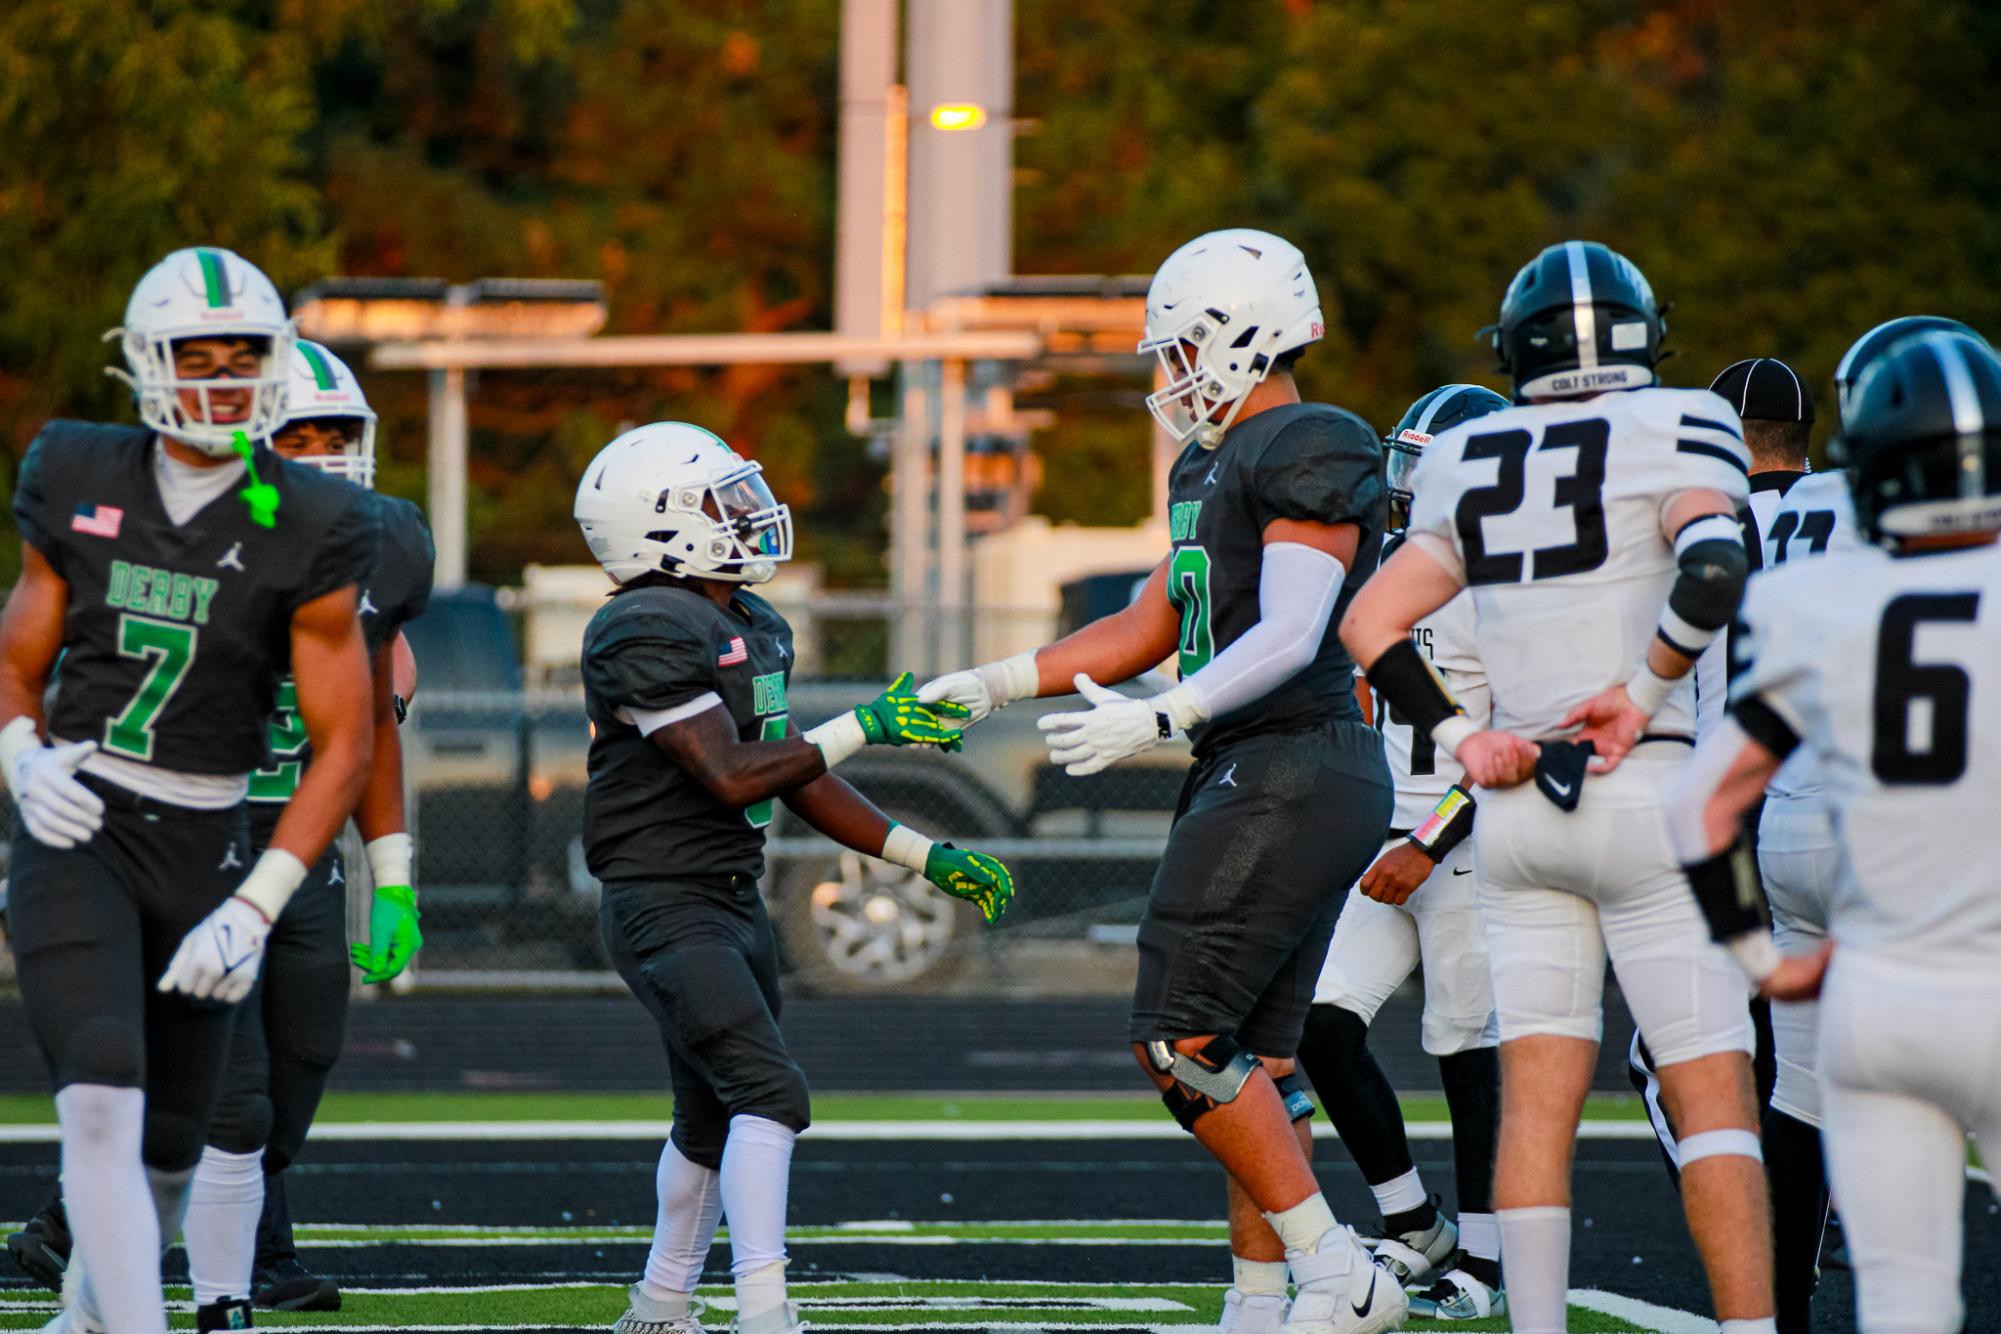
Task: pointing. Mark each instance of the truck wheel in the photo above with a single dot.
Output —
(854, 925)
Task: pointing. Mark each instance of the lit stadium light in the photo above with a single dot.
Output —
(958, 116)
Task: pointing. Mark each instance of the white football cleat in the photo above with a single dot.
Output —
(644, 1315)
(1415, 1258)
(1342, 1292)
(1253, 1313)
(1457, 1295)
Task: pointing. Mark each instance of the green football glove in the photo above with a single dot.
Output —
(897, 718)
(393, 937)
(973, 876)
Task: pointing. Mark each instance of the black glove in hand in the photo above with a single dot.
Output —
(1559, 771)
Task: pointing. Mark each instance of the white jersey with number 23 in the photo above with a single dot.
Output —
(1554, 510)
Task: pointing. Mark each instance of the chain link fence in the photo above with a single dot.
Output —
(497, 782)
(495, 772)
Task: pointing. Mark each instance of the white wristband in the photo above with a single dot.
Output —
(838, 737)
(906, 847)
(1449, 734)
(272, 882)
(390, 858)
(17, 739)
(1756, 953)
(1647, 690)
(1011, 679)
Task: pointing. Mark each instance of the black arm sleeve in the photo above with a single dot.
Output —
(1726, 886)
(1413, 686)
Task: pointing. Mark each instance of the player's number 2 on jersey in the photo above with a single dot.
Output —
(1581, 492)
(1188, 589)
(759, 814)
(1921, 707)
(288, 743)
(168, 650)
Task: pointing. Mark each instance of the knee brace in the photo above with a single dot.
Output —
(102, 1051)
(1298, 1102)
(1204, 1081)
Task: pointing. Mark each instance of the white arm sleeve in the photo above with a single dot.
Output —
(1297, 588)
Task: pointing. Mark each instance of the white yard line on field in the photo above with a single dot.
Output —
(848, 1131)
(1655, 1319)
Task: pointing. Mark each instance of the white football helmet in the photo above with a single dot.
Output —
(1241, 299)
(203, 292)
(672, 498)
(321, 386)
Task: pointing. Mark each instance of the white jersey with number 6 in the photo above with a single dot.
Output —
(1555, 512)
(1890, 671)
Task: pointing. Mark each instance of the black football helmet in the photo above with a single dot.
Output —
(1578, 319)
(1880, 340)
(1433, 414)
(1921, 439)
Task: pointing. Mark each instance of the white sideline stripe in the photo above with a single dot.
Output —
(1658, 1319)
(847, 1131)
(645, 1232)
(950, 1302)
(883, 1239)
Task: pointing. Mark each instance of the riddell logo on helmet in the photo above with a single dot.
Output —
(1319, 329)
(1411, 437)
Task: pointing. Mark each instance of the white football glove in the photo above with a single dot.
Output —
(57, 810)
(1092, 740)
(218, 960)
(985, 689)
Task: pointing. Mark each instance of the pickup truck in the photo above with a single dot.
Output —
(497, 775)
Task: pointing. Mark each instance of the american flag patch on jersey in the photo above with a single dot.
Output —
(97, 520)
(734, 654)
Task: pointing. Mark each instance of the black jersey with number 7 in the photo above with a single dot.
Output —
(176, 635)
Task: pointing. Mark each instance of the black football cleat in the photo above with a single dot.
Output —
(287, 1286)
(42, 1246)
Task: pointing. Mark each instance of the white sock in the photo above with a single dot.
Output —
(1480, 1235)
(1257, 1278)
(691, 1203)
(110, 1205)
(1535, 1246)
(1767, 1325)
(757, 1171)
(1400, 1194)
(1303, 1225)
(221, 1226)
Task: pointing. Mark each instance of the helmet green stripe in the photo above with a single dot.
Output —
(213, 278)
(323, 374)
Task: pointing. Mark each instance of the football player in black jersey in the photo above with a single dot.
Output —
(1273, 502)
(685, 675)
(178, 571)
(289, 1034)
